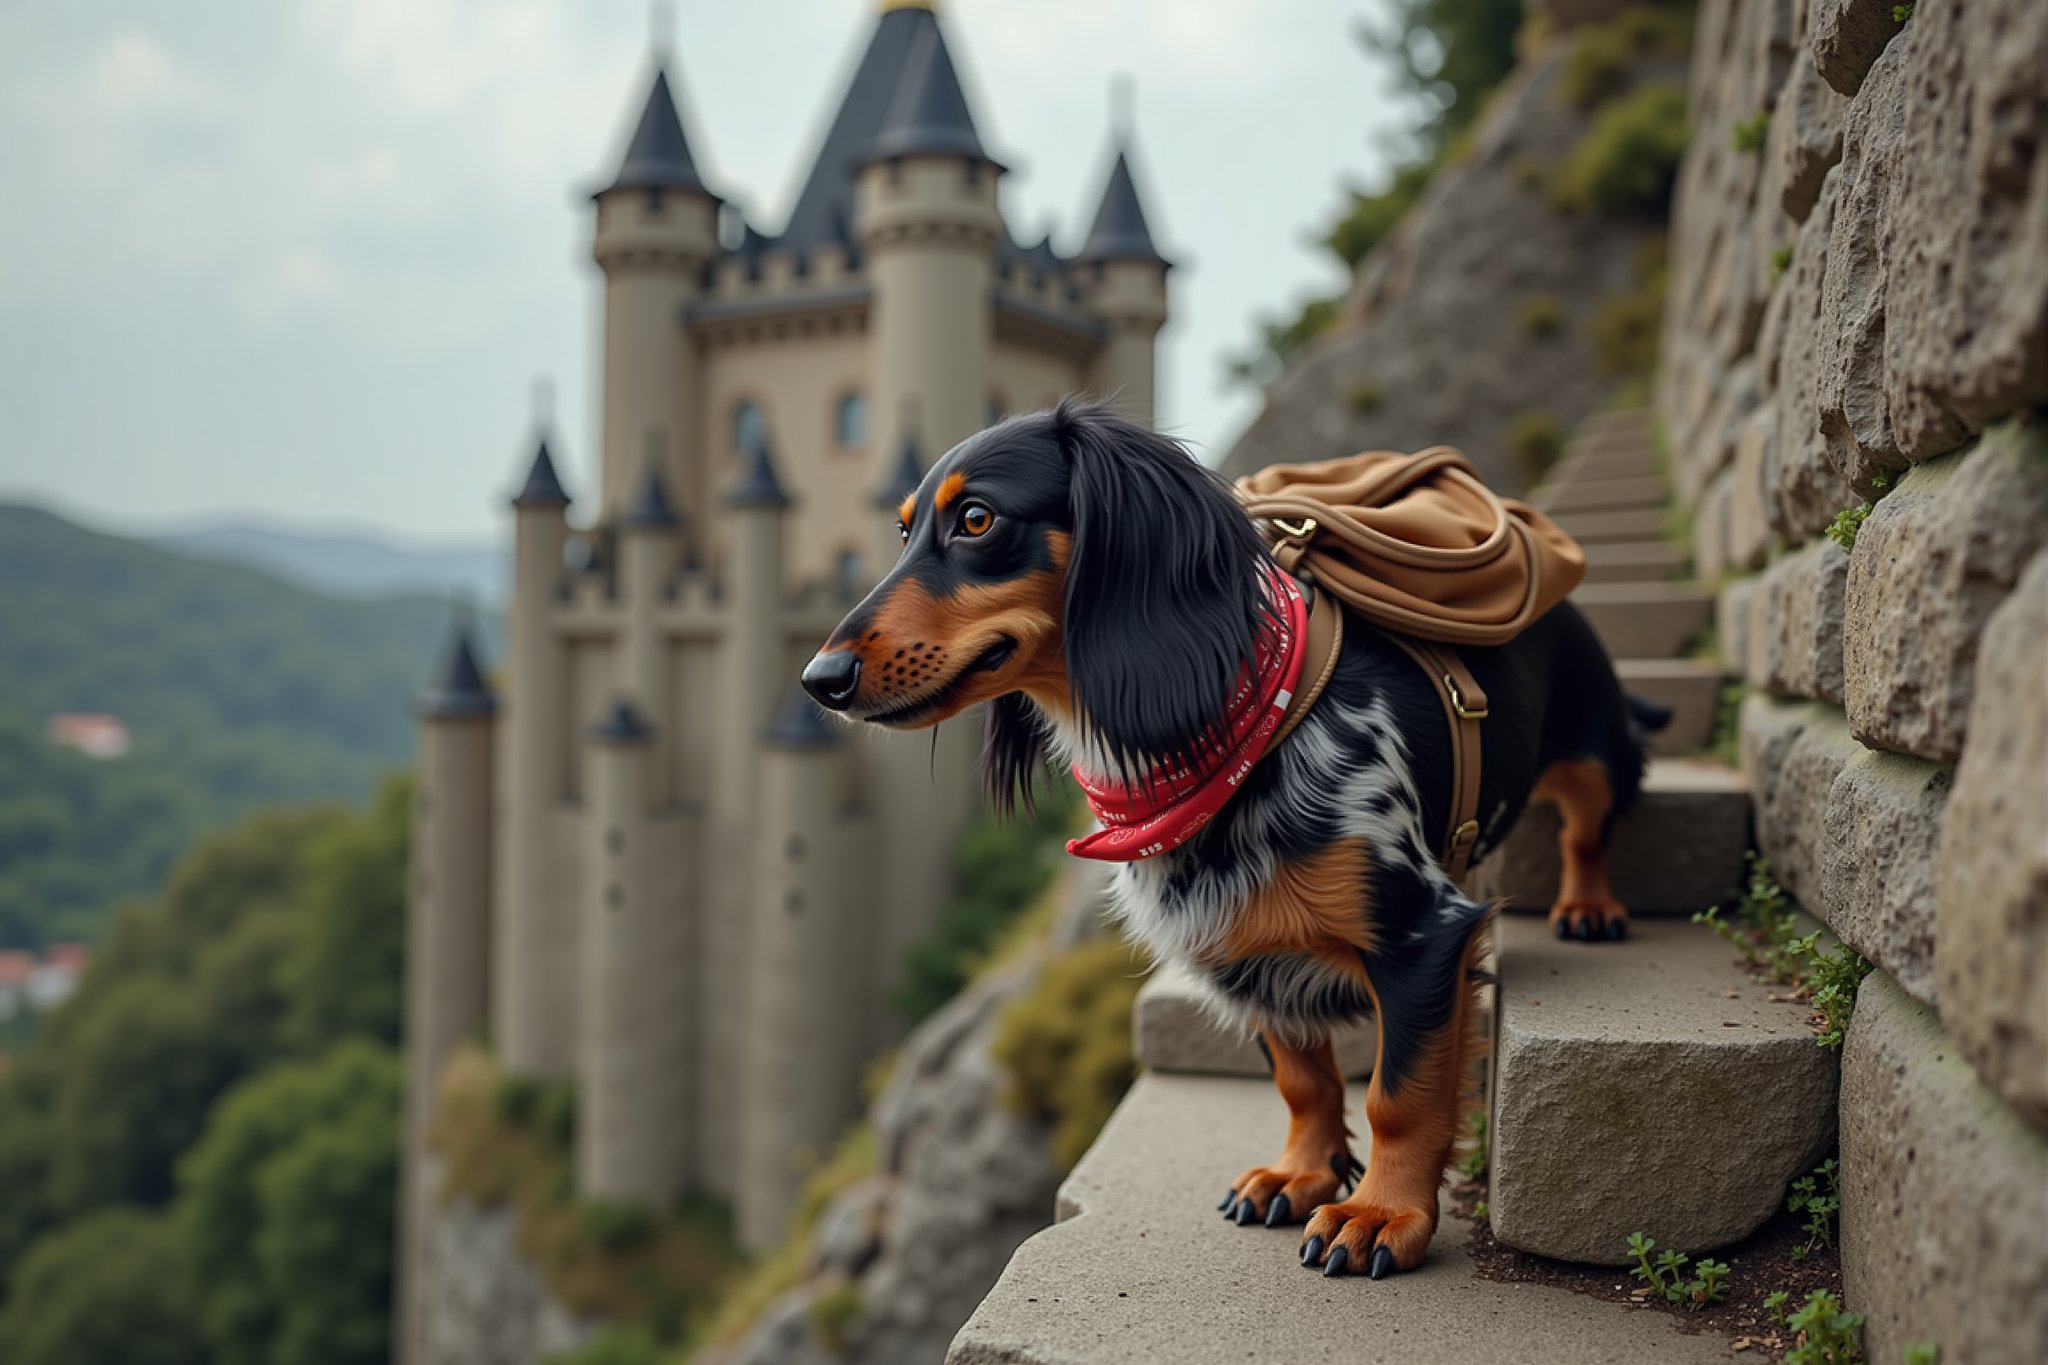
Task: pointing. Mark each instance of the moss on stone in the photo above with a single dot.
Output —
(1363, 396)
(1541, 315)
(1066, 1042)
(1536, 439)
(1628, 159)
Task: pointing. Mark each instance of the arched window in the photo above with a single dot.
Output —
(850, 420)
(747, 428)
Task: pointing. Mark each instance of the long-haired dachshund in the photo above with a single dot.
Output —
(1107, 597)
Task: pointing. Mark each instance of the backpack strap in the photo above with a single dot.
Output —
(1464, 707)
(1322, 642)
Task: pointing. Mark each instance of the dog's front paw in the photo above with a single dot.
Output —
(1364, 1236)
(1277, 1195)
(1589, 921)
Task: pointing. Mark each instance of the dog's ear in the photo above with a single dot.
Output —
(1166, 591)
(1013, 754)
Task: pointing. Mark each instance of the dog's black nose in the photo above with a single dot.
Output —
(833, 678)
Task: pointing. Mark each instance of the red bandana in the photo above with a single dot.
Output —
(1142, 820)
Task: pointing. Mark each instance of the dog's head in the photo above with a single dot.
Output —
(1070, 567)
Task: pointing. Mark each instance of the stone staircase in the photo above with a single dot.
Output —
(1623, 1076)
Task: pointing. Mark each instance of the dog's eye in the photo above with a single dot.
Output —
(903, 531)
(975, 519)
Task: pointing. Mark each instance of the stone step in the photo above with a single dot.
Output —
(1647, 1086)
(1141, 1267)
(1592, 527)
(1645, 620)
(1678, 851)
(1690, 687)
(1605, 462)
(1173, 1032)
(1622, 422)
(1580, 494)
(1634, 561)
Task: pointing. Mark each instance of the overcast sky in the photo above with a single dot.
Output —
(300, 260)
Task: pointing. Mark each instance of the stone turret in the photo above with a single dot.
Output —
(804, 967)
(657, 232)
(650, 551)
(533, 963)
(1124, 286)
(632, 1107)
(926, 218)
(449, 927)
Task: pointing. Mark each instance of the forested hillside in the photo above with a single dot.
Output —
(240, 691)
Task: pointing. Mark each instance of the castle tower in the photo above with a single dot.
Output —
(448, 924)
(901, 481)
(657, 231)
(632, 1104)
(650, 550)
(804, 1061)
(1124, 287)
(754, 668)
(926, 218)
(533, 965)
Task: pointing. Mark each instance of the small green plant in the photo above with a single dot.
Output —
(1923, 1352)
(1781, 261)
(1541, 315)
(1536, 439)
(1726, 745)
(1824, 1334)
(1481, 1212)
(1748, 134)
(1628, 159)
(1763, 928)
(615, 1224)
(1900, 14)
(1819, 1197)
(1666, 1275)
(1831, 979)
(1363, 396)
(1597, 67)
(1474, 1164)
(1842, 530)
(834, 1313)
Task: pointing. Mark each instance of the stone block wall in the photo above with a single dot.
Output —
(1858, 322)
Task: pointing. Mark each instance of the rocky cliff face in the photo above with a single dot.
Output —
(1482, 309)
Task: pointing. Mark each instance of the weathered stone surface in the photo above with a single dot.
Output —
(1806, 137)
(1849, 348)
(1678, 851)
(1143, 1270)
(1645, 620)
(1991, 944)
(1633, 561)
(1800, 627)
(1847, 36)
(1749, 523)
(1932, 560)
(1710, 524)
(1734, 611)
(487, 1305)
(1616, 1067)
(1173, 1030)
(1877, 861)
(1965, 235)
(1803, 488)
(1767, 730)
(1792, 801)
(1592, 527)
(1597, 495)
(1944, 1195)
(1709, 448)
(1690, 687)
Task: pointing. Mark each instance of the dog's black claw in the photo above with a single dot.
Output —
(1245, 1213)
(1335, 1265)
(1617, 929)
(1585, 931)
(1278, 1211)
(1229, 1198)
(1564, 928)
(1312, 1250)
(1382, 1263)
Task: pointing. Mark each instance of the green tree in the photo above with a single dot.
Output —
(346, 976)
(287, 1210)
(112, 1288)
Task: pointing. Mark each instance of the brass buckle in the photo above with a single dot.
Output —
(1300, 530)
(1465, 833)
(1458, 700)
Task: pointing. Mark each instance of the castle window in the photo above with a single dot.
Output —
(747, 428)
(850, 421)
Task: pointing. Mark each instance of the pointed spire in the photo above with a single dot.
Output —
(928, 114)
(543, 488)
(458, 688)
(800, 725)
(652, 509)
(908, 473)
(759, 486)
(659, 157)
(621, 725)
(1120, 232)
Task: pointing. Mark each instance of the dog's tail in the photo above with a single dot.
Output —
(1646, 716)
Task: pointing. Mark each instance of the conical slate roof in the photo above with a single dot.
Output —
(928, 114)
(652, 509)
(759, 486)
(543, 488)
(659, 157)
(800, 725)
(458, 688)
(1120, 232)
(621, 725)
(904, 478)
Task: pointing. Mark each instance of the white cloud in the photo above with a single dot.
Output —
(134, 74)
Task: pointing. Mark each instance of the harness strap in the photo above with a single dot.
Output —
(1464, 707)
(1322, 642)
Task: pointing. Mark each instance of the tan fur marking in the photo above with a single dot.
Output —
(949, 489)
(1315, 906)
(906, 511)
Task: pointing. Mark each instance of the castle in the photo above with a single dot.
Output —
(653, 868)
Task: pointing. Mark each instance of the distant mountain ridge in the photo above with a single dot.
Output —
(351, 564)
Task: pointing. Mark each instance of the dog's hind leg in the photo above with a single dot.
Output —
(1317, 1160)
(1586, 908)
